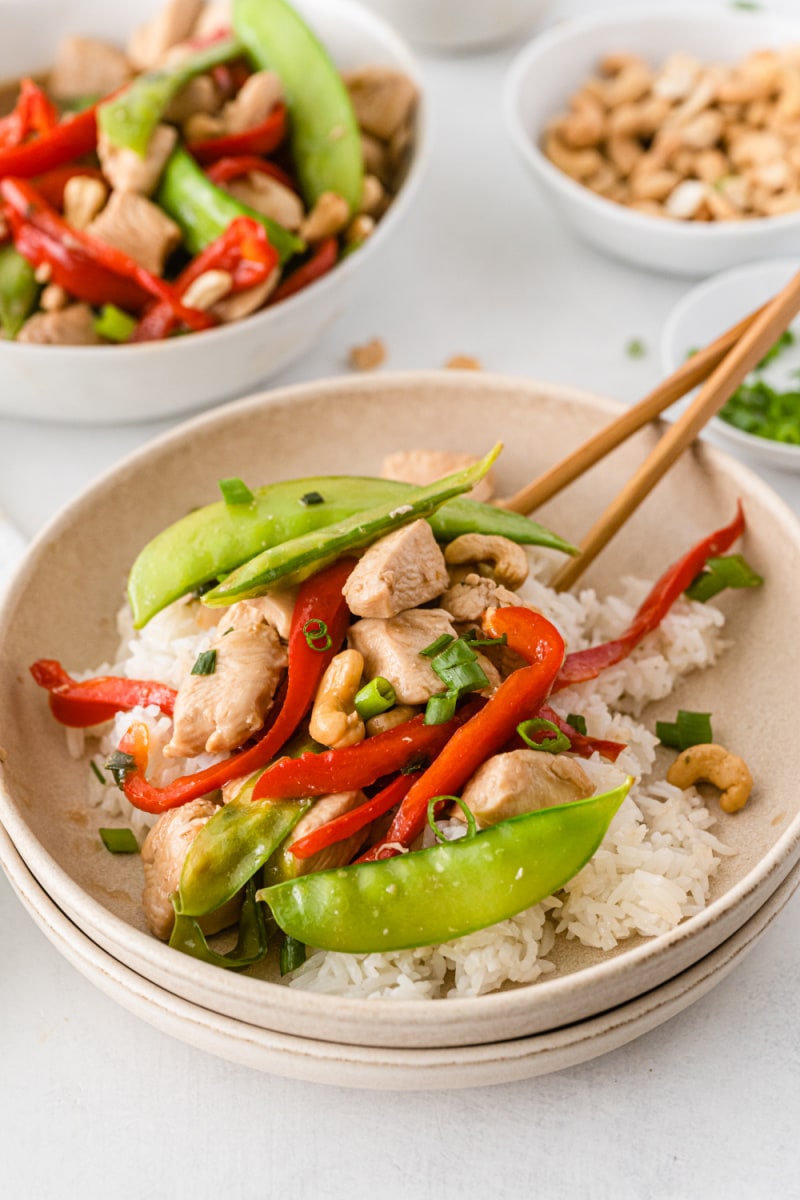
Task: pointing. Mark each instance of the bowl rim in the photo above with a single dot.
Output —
(779, 453)
(402, 56)
(528, 146)
(769, 872)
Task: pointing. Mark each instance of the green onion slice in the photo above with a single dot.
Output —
(555, 744)
(309, 498)
(119, 841)
(235, 491)
(97, 772)
(293, 955)
(314, 631)
(205, 664)
(577, 722)
(375, 697)
(437, 646)
(730, 571)
(120, 765)
(689, 729)
(114, 324)
(472, 825)
(440, 708)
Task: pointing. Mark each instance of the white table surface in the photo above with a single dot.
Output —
(95, 1103)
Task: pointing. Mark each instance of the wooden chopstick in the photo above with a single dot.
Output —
(763, 331)
(688, 375)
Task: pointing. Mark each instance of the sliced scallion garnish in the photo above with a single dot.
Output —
(730, 571)
(315, 631)
(113, 324)
(312, 498)
(293, 955)
(688, 729)
(577, 722)
(375, 697)
(459, 670)
(472, 825)
(205, 663)
(440, 708)
(437, 646)
(97, 772)
(235, 491)
(119, 841)
(555, 743)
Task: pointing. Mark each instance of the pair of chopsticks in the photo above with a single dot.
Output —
(720, 367)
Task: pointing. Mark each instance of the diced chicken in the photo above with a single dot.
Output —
(127, 171)
(198, 96)
(253, 103)
(268, 196)
(87, 67)
(163, 855)
(383, 99)
(508, 785)
(276, 608)
(326, 809)
(391, 648)
(215, 16)
(137, 227)
(426, 466)
(469, 599)
(219, 711)
(72, 326)
(400, 571)
(173, 24)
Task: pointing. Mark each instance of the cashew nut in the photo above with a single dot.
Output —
(204, 291)
(508, 561)
(83, 199)
(714, 763)
(384, 721)
(329, 216)
(334, 720)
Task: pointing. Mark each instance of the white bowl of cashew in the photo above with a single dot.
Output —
(552, 68)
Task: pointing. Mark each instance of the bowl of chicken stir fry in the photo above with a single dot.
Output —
(222, 169)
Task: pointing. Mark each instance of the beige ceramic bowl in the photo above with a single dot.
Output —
(69, 587)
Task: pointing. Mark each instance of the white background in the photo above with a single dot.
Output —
(93, 1103)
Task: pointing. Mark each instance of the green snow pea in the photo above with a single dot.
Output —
(203, 211)
(251, 945)
(218, 538)
(325, 138)
(297, 559)
(452, 889)
(19, 291)
(129, 118)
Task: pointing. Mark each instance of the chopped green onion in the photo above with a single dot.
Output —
(97, 772)
(293, 955)
(554, 744)
(120, 765)
(636, 348)
(375, 697)
(312, 498)
(746, 5)
(205, 663)
(472, 825)
(318, 634)
(731, 571)
(689, 729)
(113, 324)
(459, 670)
(498, 641)
(235, 491)
(577, 722)
(440, 708)
(437, 646)
(119, 841)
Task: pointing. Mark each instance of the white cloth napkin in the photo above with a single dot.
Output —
(12, 547)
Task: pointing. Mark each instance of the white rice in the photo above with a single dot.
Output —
(652, 871)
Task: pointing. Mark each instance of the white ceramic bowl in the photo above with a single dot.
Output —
(712, 307)
(553, 66)
(460, 24)
(111, 384)
(64, 597)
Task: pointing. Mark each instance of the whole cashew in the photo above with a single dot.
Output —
(334, 720)
(714, 763)
(507, 560)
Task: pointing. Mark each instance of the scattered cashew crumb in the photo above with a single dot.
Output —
(463, 362)
(367, 357)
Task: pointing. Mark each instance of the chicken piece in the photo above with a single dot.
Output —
(469, 599)
(72, 326)
(522, 781)
(172, 24)
(163, 855)
(391, 648)
(276, 608)
(269, 197)
(137, 227)
(383, 99)
(425, 466)
(400, 571)
(219, 711)
(326, 809)
(199, 95)
(127, 171)
(87, 67)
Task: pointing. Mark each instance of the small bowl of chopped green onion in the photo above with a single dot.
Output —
(762, 418)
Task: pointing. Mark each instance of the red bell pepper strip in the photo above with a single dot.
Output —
(341, 828)
(323, 259)
(587, 664)
(226, 169)
(319, 599)
(86, 702)
(523, 692)
(263, 139)
(51, 185)
(243, 250)
(358, 766)
(28, 207)
(33, 113)
(69, 140)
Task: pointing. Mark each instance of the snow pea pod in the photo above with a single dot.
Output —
(216, 539)
(251, 946)
(326, 142)
(129, 117)
(19, 290)
(297, 559)
(452, 889)
(203, 211)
